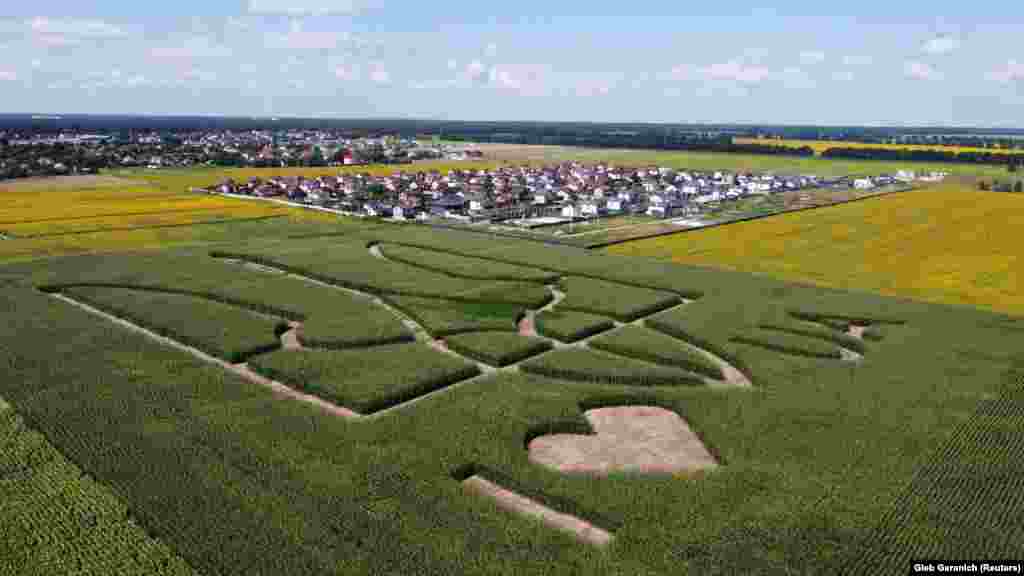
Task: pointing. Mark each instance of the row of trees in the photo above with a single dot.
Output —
(999, 186)
(904, 155)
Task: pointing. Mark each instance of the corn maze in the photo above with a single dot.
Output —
(443, 403)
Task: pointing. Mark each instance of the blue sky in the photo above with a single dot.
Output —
(863, 63)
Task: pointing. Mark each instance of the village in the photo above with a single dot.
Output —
(532, 195)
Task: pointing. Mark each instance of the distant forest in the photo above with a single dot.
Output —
(699, 137)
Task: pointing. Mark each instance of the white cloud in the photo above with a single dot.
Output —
(452, 64)
(37, 63)
(943, 44)
(474, 70)
(920, 71)
(681, 72)
(735, 71)
(303, 7)
(812, 57)
(856, 60)
(1012, 71)
(193, 48)
(379, 75)
(843, 76)
(591, 88)
(74, 28)
(795, 77)
(303, 40)
(7, 75)
(346, 73)
(491, 51)
(524, 79)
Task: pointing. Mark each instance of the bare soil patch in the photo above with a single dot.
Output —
(290, 339)
(644, 439)
(520, 504)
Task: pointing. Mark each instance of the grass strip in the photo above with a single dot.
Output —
(497, 348)
(625, 303)
(585, 365)
(464, 266)
(367, 380)
(644, 344)
(219, 329)
(567, 326)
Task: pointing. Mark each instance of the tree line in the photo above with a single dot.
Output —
(906, 155)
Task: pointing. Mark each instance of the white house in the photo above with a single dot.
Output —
(863, 184)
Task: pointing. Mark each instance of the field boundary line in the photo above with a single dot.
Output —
(152, 227)
(517, 503)
(685, 295)
(110, 215)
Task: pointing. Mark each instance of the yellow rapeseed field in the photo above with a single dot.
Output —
(948, 244)
(820, 146)
(52, 217)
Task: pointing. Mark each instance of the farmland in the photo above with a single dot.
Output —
(820, 146)
(57, 520)
(80, 214)
(949, 244)
(823, 460)
(711, 161)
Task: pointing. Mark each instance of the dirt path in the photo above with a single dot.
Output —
(375, 251)
(242, 370)
(528, 324)
(519, 504)
(645, 439)
(290, 339)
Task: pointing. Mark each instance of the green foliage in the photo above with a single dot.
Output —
(497, 348)
(947, 507)
(788, 343)
(464, 267)
(446, 317)
(351, 265)
(219, 329)
(241, 481)
(366, 380)
(331, 317)
(623, 302)
(564, 260)
(57, 520)
(570, 326)
(821, 333)
(652, 346)
(584, 365)
(874, 333)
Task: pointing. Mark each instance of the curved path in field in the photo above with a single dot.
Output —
(635, 451)
(733, 377)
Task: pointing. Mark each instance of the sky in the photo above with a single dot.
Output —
(799, 62)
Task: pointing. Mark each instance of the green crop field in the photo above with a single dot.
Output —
(497, 348)
(826, 465)
(354, 378)
(222, 330)
(475, 268)
(447, 317)
(645, 344)
(613, 299)
(571, 326)
(57, 520)
(584, 365)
